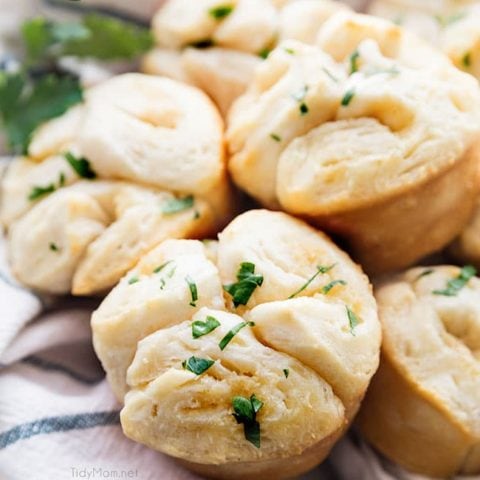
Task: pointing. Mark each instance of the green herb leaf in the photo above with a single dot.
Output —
(290, 51)
(332, 284)
(275, 137)
(39, 192)
(321, 269)
(354, 62)
(245, 412)
(193, 290)
(201, 328)
(264, 53)
(246, 285)
(27, 103)
(352, 320)
(176, 205)
(197, 365)
(81, 166)
(53, 247)
(347, 98)
(456, 284)
(286, 372)
(446, 20)
(133, 280)
(303, 108)
(161, 267)
(467, 60)
(229, 336)
(97, 36)
(330, 74)
(221, 11)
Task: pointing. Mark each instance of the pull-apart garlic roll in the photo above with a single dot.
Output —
(451, 25)
(422, 408)
(371, 134)
(217, 45)
(243, 358)
(140, 161)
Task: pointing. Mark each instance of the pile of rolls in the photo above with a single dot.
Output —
(230, 214)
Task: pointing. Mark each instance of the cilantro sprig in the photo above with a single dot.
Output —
(26, 103)
(81, 166)
(96, 36)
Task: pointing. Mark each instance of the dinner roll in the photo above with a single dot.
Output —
(217, 46)
(212, 343)
(140, 161)
(453, 26)
(374, 136)
(421, 409)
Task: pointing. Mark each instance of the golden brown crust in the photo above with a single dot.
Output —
(421, 407)
(394, 233)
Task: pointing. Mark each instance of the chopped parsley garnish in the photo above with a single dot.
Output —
(354, 62)
(264, 53)
(242, 290)
(332, 284)
(81, 166)
(275, 137)
(197, 365)
(133, 280)
(426, 272)
(321, 269)
(39, 192)
(245, 412)
(201, 328)
(446, 20)
(53, 247)
(303, 108)
(26, 103)
(352, 320)
(347, 98)
(196, 215)
(286, 372)
(221, 11)
(456, 284)
(176, 205)
(229, 336)
(467, 60)
(161, 267)
(96, 36)
(290, 51)
(193, 290)
(330, 74)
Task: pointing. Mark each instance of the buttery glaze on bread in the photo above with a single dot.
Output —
(217, 46)
(309, 325)
(156, 148)
(453, 26)
(371, 134)
(422, 408)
